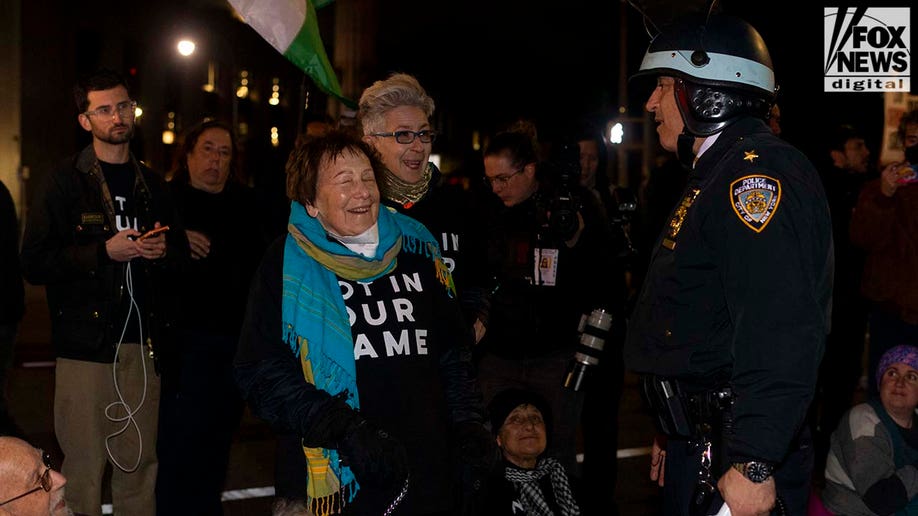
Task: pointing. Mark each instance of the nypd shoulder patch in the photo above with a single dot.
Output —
(755, 198)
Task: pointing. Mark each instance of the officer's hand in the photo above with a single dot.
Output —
(744, 497)
(658, 460)
(121, 248)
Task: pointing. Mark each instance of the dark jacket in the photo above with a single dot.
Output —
(739, 286)
(12, 296)
(70, 219)
(536, 316)
(452, 216)
(887, 229)
(842, 190)
(417, 397)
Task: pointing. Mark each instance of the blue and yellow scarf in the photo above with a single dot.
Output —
(316, 325)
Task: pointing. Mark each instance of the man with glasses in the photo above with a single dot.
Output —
(106, 297)
(29, 485)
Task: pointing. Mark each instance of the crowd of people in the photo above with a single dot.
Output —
(422, 348)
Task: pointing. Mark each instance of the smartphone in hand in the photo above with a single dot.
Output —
(907, 174)
(153, 232)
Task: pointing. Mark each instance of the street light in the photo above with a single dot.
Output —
(185, 47)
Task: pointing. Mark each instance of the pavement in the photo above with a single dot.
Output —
(249, 481)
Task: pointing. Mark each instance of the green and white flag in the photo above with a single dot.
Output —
(291, 27)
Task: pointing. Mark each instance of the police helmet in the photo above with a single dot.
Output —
(722, 69)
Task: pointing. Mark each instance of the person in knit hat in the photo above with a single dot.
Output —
(872, 466)
(525, 481)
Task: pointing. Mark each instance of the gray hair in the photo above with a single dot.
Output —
(400, 89)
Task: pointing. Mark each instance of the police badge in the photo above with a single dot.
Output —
(755, 199)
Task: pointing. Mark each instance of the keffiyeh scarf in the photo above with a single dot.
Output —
(527, 481)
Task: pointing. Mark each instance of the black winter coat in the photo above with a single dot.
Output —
(64, 249)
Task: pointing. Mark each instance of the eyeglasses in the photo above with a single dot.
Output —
(44, 481)
(124, 109)
(406, 137)
(501, 180)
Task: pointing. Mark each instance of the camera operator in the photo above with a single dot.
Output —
(547, 265)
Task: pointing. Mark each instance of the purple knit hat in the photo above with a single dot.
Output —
(900, 354)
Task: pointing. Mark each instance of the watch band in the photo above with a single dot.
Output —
(755, 471)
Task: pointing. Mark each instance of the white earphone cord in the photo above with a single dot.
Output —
(128, 418)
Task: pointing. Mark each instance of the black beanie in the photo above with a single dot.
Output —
(507, 400)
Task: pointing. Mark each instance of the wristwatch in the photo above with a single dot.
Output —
(755, 471)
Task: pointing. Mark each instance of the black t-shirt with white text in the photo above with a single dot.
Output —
(120, 179)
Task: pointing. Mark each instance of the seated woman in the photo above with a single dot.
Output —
(354, 346)
(526, 482)
(871, 468)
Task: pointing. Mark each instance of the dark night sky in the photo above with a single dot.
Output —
(486, 62)
(493, 61)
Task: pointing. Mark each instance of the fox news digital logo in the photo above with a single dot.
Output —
(867, 49)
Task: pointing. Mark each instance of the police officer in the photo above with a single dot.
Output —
(730, 325)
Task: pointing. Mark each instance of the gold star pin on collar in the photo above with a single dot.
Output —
(750, 156)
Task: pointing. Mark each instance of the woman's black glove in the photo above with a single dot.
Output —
(377, 459)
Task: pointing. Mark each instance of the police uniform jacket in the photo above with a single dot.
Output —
(739, 286)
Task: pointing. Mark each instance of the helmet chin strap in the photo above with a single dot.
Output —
(685, 149)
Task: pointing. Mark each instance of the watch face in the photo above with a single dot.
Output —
(757, 471)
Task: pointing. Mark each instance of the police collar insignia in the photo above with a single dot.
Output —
(750, 156)
(755, 199)
(675, 223)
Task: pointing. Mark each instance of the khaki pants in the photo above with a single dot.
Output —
(82, 392)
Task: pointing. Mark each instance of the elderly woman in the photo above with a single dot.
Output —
(871, 467)
(395, 116)
(353, 345)
(200, 406)
(526, 483)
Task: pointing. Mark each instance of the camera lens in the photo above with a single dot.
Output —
(589, 349)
